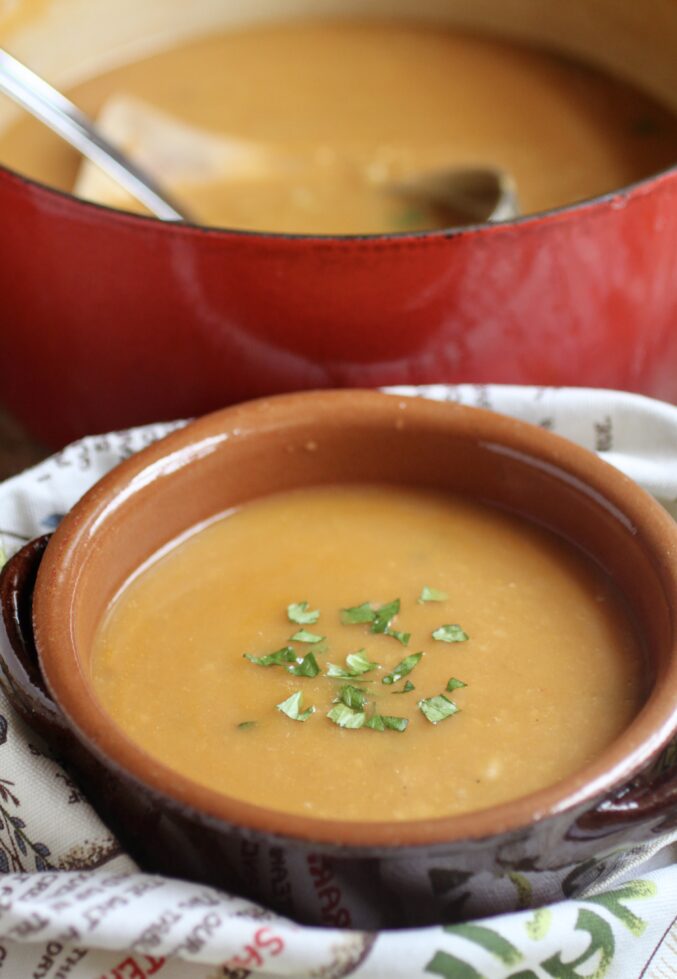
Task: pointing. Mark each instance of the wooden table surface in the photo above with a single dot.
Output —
(17, 450)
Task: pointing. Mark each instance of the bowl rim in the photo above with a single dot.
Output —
(650, 731)
(610, 199)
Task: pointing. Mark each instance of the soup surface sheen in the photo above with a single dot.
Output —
(342, 111)
(552, 668)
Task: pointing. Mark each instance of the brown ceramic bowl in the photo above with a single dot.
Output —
(340, 872)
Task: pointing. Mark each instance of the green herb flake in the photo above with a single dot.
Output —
(300, 613)
(359, 664)
(292, 707)
(358, 613)
(339, 672)
(413, 219)
(307, 667)
(383, 722)
(435, 709)
(431, 595)
(344, 716)
(407, 688)
(280, 656)
(384, 616)
(245, 725)
(402, 637)
(403, 668)
(454, 684)
(352, 697)
(356, 665)
(450, 633)
(304, 636)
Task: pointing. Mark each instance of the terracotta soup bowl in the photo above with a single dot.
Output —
(94, 299)
(332, 871)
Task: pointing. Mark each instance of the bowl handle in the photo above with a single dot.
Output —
(20, 673)
(650, 796)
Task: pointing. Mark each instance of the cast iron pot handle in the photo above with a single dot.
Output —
(19, 667)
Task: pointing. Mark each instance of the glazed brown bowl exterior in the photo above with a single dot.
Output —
(333, 871)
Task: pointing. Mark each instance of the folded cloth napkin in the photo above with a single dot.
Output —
(72, 904)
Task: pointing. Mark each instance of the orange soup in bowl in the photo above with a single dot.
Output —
(374, 652)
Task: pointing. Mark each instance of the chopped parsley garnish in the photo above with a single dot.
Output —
(450, 633)
(402, 637)
(431, 595)
(352, 697)
(300, 613)
(454, 684)
(307, 667)
(358, 613)
(304, 636)
(346, 716)
(280, 656)
(380, 618)
(403, 668)
(384, 616)
(382, 722)
(356, 665)
(350, 708)
(435, 709)
(292, 707)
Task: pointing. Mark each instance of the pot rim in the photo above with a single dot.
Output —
(610, 199)
(650, 731)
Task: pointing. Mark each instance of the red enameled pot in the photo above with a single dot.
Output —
(108, 319)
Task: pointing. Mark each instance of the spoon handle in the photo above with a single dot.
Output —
(60, 115)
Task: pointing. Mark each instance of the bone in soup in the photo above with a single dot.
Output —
(330, 119)
(370, 652)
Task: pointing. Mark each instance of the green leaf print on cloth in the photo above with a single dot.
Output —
(612, 901)
(601, 941)
(489, 940)
(538, 926)
(593, 962)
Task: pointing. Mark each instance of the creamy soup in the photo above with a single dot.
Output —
(370, 653)
(339, 114)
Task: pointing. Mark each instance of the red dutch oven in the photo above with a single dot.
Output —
(109, 319)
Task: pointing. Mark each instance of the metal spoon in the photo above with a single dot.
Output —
(471, 195)
(60, 115)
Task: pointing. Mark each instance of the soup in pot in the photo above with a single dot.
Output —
(370, 653)
(319, 127)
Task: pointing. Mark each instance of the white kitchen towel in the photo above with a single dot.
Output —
(72, 904)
